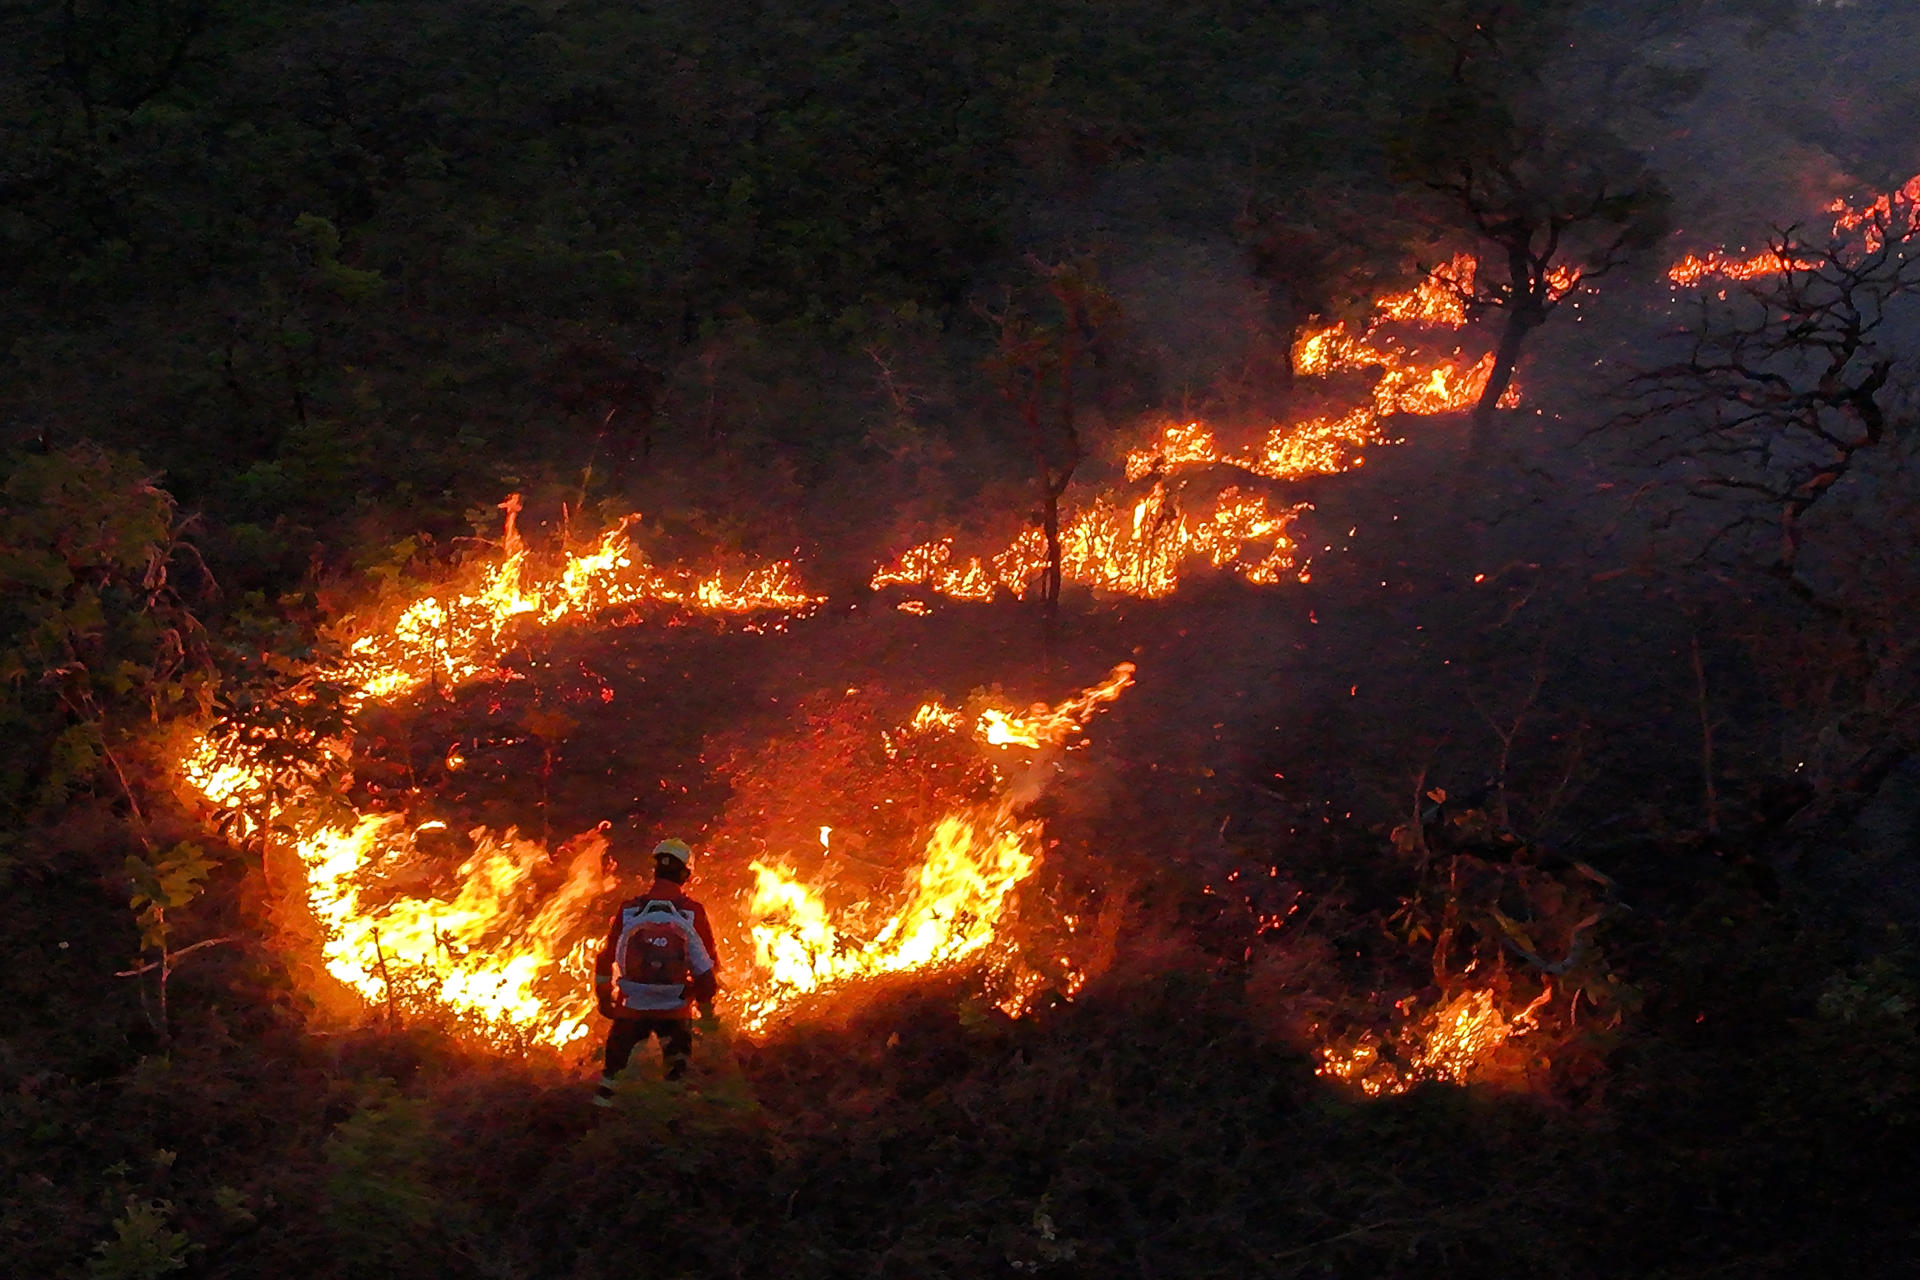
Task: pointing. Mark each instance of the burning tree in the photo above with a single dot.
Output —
(1559, 203)
(1036, 362)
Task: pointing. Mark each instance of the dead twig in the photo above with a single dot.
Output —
(1364, 1228)
(168, 961)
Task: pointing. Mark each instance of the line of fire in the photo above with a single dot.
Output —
(876, 835)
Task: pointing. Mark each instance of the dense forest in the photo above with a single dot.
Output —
(1438, 474)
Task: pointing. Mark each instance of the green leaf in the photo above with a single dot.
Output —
(144, 1245)
(1513, 929)
(171, 881)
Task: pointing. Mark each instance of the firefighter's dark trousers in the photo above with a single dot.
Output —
(676, 1045)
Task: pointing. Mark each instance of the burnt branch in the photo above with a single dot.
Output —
(1787, 379)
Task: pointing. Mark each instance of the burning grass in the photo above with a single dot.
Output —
(1140, 544)
(505, 936)
(853, 829)
(1458, 1042)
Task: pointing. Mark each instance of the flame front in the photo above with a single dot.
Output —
(1890, 213)
(969, 866)
(1695, 268)
(1136, 550)
(458, 638)
(1045, 726)
(503, 949)
(1895, 211)
(1452, 1045)
(1138, 547)
(506, 947)
(502, 946)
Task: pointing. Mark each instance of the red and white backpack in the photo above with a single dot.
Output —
(659, 953)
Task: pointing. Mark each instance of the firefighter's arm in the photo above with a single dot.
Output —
(603, 970)
(705, 931)
(705, 985)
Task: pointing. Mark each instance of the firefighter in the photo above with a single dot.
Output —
(658, 962)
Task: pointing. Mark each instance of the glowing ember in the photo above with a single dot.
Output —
(1453, 1044)
(931, 718)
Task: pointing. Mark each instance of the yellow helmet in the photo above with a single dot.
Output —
(676, 849)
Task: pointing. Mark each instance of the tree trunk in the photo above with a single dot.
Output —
(1050, 524)
(1056, 487)
(1520, 322)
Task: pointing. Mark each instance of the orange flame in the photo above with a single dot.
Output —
(1045, 726)
(1896, 212)
(1439, 300)
(1134, 551)
(969, 866)
(507, 947)
(971, 862)
(1139, 548)
(1880, 215)
(933, 716)
(931, 565)
(1694, 268)
(1318, 446)
(501, 949)
(1453, 1044)
(457, 638)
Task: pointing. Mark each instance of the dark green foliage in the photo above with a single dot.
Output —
(95, 630)
(343, 272)
(1150, 1127)
(325, 262)
(142, 1248)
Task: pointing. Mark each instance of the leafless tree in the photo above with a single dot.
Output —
(1550, 193)
(1790, 380)
(1556, 223)
(1036, 364)
(1791, 383)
